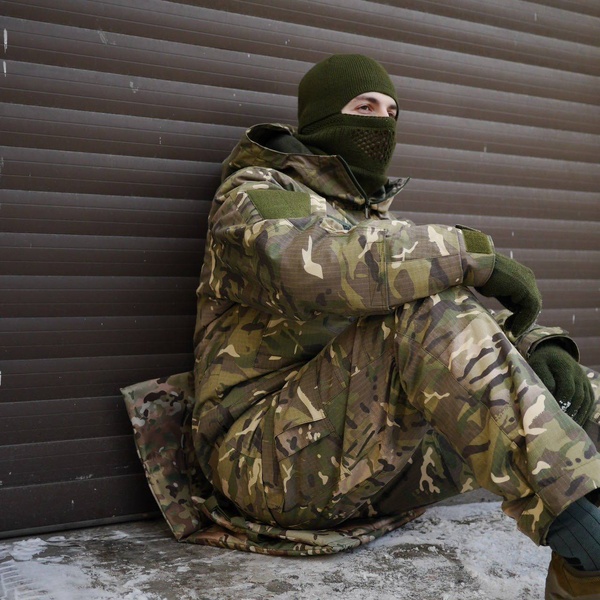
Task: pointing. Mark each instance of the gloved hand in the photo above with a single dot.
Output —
(514, 286)
(565, 380)
(511, 283)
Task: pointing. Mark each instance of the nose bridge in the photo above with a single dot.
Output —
(381, 110)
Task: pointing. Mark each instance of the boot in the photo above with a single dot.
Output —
(566, 583)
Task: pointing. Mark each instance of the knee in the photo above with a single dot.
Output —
(452, 311)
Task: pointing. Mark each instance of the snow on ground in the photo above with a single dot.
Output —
(461, 552)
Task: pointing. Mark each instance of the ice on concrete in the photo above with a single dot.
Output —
(462, 552)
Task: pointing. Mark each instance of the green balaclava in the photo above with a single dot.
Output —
(366, 143)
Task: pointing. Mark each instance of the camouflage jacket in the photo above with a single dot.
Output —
(294, 253)
(291, 259)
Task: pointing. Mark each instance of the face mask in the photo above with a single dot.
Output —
(366, 144)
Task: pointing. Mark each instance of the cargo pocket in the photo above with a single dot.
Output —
(307, 460)
(296, 438)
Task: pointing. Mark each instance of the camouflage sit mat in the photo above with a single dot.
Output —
(160, 413)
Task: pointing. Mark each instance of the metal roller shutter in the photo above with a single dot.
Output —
(115, 117)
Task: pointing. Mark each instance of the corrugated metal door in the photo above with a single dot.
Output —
(115, 117)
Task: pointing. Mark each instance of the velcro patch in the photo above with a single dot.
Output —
(280, 204)
(477, 242)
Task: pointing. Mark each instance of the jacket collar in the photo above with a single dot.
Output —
(262, 146)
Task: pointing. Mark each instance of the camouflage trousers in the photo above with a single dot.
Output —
(403, 410)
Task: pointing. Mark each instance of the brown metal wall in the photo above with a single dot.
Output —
(115, 117)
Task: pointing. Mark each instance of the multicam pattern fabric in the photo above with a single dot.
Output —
(344, 371)
(160, 412)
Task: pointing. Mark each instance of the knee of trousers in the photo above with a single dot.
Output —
(449, 311)
(453, 358)
(451, 327)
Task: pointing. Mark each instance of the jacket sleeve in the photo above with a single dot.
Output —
(275, 244)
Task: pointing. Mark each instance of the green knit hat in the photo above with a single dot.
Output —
(333, 82)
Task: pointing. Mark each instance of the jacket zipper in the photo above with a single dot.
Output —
(362, 192)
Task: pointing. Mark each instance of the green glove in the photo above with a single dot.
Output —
(565, 380)
(514, 286)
